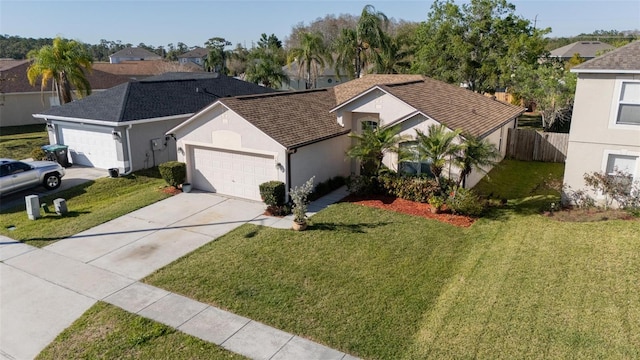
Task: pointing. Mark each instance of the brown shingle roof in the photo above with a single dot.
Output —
(15, 79)
(624, 59)
(290, 118)
(455, 107)
(348, 90)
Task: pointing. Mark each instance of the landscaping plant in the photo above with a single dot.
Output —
(273, 194)
(299, 197)
(173, 172)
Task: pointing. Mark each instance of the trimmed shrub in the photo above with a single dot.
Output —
(363, 185)
(272, 193)
(418, 189)
(38, 154)
(465, 202)
(173, 172)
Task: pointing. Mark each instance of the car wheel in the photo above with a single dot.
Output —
(51, 181)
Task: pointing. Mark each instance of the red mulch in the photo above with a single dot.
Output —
(171, 190)
(410, 208)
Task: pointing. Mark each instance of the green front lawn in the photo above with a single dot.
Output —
(89, 204)
(382, 285)
(17, 142)
(108, 332)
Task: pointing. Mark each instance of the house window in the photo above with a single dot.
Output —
(410, 160)
(621, 168)
(629, 104)
(368, 124)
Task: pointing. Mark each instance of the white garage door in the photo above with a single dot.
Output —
(90, 148)
(231, 172)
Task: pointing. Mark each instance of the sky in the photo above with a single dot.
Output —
(160, 22)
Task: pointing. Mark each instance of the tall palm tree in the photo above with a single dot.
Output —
(64, 62)
(391, 58)
(369, 37)
(476, 154)
(311, 57)
(371, 146)
(345, 47)
(437, 147)
(266, 71)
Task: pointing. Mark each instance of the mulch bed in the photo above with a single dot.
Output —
(171, 190)
(410, 208)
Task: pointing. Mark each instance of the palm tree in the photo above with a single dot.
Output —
(311, 57)
(345, 48)
(63, 62)
(477, 154)
(371, 146)
(437, 147)
(368, 37)
(266, 71)
(392, 58)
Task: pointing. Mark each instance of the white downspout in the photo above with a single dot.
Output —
(130, 169)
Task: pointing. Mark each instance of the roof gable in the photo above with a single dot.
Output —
(291, 118)
(622, 60)
(195, 53)
(455, 107)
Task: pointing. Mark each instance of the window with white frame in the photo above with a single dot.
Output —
(410, 162)
(629, 104)
(621, 168)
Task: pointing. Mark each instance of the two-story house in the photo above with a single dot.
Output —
(605, 127)
(196, 56)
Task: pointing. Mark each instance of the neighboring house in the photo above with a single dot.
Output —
(605, 126)
(133, 54)
(138, 70)
(324, 79)
(235, 144)
(19, 99)
(586, 49)
(196, 56)
(124, 127)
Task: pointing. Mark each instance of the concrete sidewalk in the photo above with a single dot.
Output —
(44, 290)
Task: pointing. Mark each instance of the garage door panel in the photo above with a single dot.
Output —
(230, 172)
(90, 148)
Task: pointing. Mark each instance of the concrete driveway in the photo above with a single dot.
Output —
(44, 290)
(74, 176)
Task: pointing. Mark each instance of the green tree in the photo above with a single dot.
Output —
(356, 47)
(551, 86)
(311, 57)
(437, 147)
(217, 58)
(372, 144)
(265, 70)
(475, 153)
(478, 43)
(64, 62)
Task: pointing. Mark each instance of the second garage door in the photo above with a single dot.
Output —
(231, 172)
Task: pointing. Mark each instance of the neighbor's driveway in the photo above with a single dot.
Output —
(42, 291)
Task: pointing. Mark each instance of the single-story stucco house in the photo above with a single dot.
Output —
(235, 144)
(125, 127)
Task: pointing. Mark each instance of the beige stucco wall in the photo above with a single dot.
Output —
(17, 108)
(230, 131)
(143, 156)
(388, 108)
(594, 134)
(324, 160)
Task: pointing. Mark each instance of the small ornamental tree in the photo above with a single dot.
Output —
(299, 197)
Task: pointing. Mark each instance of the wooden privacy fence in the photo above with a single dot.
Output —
(532, 145)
